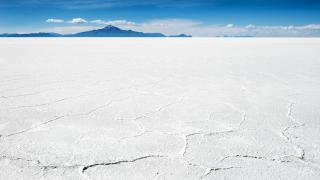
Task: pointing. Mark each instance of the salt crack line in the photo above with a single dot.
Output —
(38, 163)
(251, 157)
(34, 127)
(42, 104)
(295, 125)
(85, 168)
(92, 110)
(282, 159)
(210, 170)
(187, 136)
(186, 143)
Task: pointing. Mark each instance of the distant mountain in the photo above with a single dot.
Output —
(112, 31)
(32, 35)
(181, 35)
(108, 31)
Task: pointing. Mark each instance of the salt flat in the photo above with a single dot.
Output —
(127, 108)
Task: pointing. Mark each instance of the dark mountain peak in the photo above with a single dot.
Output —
(111, 28)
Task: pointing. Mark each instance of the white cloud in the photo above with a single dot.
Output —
(286, 31)
(77, 21)
(114, 22)
(98, 21)
(309, 26)
(229, 25)
(165, 26)
(54, 20)
(250, 26)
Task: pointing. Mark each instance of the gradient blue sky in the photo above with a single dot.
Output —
(196, 17)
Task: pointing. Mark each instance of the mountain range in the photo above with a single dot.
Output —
(108, 31)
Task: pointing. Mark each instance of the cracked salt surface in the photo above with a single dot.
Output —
(87, 108)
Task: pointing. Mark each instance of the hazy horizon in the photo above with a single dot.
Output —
(204, 18)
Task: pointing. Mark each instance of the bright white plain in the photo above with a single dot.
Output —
(160, 108)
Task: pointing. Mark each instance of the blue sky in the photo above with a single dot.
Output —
(196, 17)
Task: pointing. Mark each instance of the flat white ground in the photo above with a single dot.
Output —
(159, 108)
